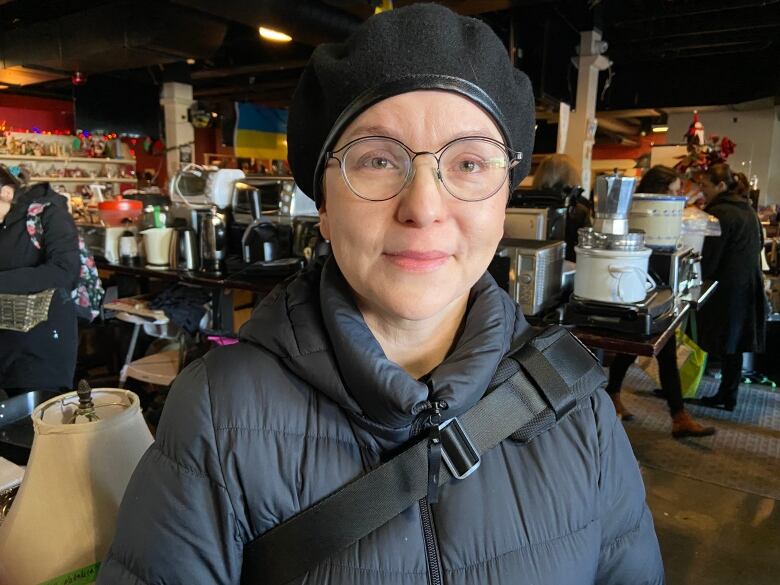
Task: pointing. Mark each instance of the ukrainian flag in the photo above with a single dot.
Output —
(260, 132)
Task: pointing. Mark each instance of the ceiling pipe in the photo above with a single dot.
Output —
(668, 14)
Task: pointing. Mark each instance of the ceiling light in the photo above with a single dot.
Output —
(3, 86)
(660, 128)
(274, 35)
(190, 61)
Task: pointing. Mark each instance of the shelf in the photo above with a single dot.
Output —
(84, 180)
(80, 159)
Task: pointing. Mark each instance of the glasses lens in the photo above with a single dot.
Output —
(473, 168)
(376, 168)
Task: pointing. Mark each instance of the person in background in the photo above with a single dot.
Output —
(662, 180)
(557, 172)
(38, 251)
(411, 156)
(733, 321)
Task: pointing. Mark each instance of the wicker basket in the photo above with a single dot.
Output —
(23, 312)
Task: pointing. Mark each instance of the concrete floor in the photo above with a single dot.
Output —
(711, 535)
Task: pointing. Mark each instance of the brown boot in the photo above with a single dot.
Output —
(684, 426)
(622, 411)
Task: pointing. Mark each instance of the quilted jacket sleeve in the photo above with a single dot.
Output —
(629, 546)
(61, 266)
(176, 523)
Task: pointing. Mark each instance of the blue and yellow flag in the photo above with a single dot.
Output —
(260, 132)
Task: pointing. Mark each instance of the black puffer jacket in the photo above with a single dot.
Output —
(44, 357)
(734, 319)
(256, 432)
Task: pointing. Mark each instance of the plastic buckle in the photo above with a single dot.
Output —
(458, 452)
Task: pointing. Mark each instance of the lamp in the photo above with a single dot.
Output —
(62, 521)
(270, 34)
(661, 124)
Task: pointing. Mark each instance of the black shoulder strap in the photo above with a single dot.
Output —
(537, 384)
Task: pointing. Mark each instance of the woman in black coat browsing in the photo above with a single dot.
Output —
(38, 251)
(659, 179)
(733, 321)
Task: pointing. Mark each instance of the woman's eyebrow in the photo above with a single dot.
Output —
(380, 130)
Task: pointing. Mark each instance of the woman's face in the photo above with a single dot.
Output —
(413, 256)
(674, 187)
(710, 189)
(6, 193)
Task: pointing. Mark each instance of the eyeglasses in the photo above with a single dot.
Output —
(378, 168)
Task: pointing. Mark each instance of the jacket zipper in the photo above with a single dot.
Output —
(432, 422)
(431, 546)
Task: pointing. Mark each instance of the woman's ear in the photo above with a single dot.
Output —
(722, 187)
(323, 211)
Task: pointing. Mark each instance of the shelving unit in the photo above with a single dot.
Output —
(81, 159)
(84, 179)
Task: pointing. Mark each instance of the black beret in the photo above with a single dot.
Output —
(419, 47)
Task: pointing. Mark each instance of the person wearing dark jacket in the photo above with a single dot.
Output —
(411, 156)
(38, 251)
(660, 180)
(733, 321)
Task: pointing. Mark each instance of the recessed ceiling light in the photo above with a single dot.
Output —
(190, 61)
(274, 35)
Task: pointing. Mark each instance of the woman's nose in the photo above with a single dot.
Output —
(423, 201)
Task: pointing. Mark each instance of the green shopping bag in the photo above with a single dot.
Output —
(692, 369)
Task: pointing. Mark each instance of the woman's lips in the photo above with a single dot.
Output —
(418, 261)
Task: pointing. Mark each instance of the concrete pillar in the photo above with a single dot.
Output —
(582, 121)
(176, 100)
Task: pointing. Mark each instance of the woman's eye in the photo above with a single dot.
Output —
(379, 163)
(468, 166)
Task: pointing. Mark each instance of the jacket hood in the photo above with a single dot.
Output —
(313, 325)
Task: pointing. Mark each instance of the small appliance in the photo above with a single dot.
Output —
(611, 202)
(555, 203)
(535, 270)
(200, 186)
(184, 250)
(678, 269)
(103, 241)
(659, 216)
(157, 246)
(525, 224)
(213, 241)
(644, 319)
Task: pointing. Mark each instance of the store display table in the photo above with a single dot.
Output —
(602, 339)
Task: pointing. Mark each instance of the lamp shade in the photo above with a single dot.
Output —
(62, 521)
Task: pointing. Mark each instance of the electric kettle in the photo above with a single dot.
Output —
(184, 249)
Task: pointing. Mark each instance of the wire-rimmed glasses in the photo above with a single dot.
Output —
(378, 168)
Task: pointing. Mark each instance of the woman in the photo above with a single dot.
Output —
(38, 251)
(659, 179)
(558, 172)
(342, 367)
(733, 321)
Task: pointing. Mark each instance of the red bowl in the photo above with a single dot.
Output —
(116, 212)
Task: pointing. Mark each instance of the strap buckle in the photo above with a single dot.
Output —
(458, 452)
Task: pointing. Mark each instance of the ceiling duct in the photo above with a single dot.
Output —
(120, 36)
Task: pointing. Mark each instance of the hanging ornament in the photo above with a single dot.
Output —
(158, 147)
(147, 144)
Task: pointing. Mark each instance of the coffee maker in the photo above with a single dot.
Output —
(213, 241)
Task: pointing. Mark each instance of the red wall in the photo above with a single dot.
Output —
(611, 151)
(23, 113)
